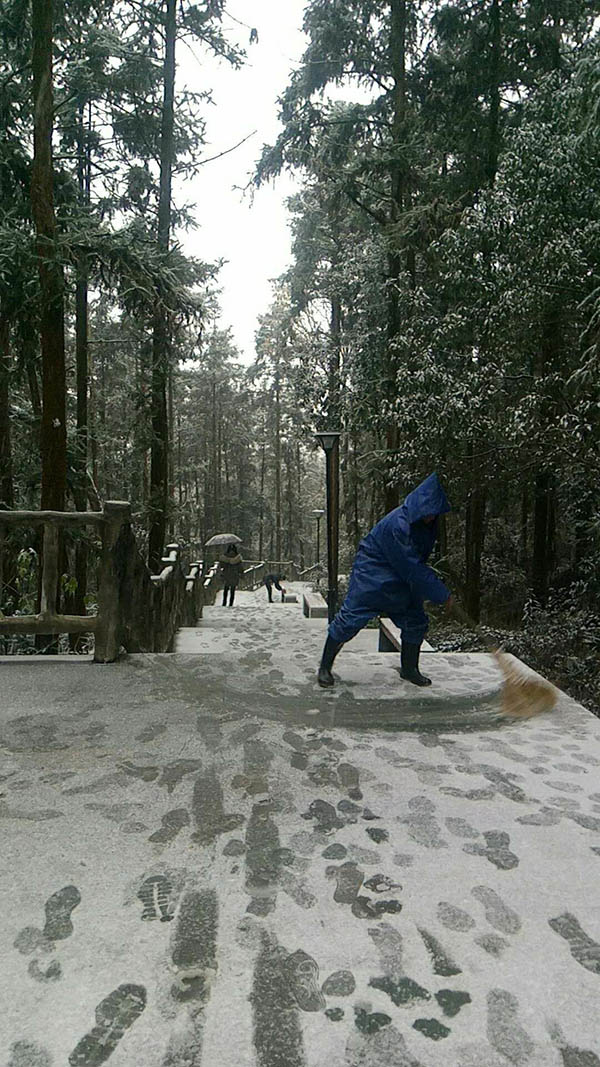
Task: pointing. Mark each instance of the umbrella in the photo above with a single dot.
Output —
(223, 539)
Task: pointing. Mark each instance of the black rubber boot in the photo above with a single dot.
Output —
(231, 596)
(409, 659)
(224, 598)
(325, 677)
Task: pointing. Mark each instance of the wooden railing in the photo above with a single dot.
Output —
(211, 584)
(283, 566)
(253, 575)
(193, 593)
(138, 611)
(316, 571)
(255, 571)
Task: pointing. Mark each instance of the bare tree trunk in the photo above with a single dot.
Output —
(474, 541)
(103, 467)
(34, 391)
(524, 530)
(397, 52)
(212, 449)
(289, 551)
(228, 515)
(159, 473)
(197, 528)
(7, 496)
(494, 94)
(261, 515)
(347, 488)
(171, 454)
(181, 498)
(53, 430)
(543, 535)
(583, 534)
(548, 356)
(93, 416)
(335, 346)
(373, 504)
(81, 323)
(218, 468)
(356, 488)
(159, 477)
(300, 522)
(81, 340)
(277, 388)
(7, 499)
(139, 429)
(442, 541)
(53, 436)
(75, 602)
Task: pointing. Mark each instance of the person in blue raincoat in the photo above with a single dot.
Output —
(390, 576)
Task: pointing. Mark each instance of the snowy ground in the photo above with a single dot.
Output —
(208, 860)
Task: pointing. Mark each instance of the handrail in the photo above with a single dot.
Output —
(195, 573)
(168, 564)
(253, 575)
(48, 620)
(136, 609)
(61, 518)
(211, 575)
(310, 570)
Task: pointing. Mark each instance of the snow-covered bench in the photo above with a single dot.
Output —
(314, 606)
(390, 639)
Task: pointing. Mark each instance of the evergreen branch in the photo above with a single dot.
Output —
(227, 151)
(378, 216)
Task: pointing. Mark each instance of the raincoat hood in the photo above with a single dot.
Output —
(427, 499)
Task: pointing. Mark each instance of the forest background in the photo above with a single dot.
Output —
(442, 308)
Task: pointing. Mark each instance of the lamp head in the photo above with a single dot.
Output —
(328, 439)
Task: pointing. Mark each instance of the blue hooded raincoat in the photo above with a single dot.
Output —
(390, 575)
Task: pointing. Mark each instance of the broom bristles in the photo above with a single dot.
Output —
(523, 695)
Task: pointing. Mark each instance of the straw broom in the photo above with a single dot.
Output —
(523, 695)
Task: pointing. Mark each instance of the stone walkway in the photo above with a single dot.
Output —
(207, 860)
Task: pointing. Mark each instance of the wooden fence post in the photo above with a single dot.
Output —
(50, 570)
(108, 634)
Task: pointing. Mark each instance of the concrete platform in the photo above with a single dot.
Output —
(314, 606)
(208, 860)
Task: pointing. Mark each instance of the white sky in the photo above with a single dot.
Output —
(252, 237)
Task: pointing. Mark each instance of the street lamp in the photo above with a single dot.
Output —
(318, 514)
(330, 443)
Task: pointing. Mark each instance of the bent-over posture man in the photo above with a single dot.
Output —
(390, 576)
(271, 580)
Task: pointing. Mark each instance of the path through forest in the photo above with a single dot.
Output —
(208, 860)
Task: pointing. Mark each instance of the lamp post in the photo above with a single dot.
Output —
(330, 443)
(318, 514)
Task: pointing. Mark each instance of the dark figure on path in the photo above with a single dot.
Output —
(390, 577)
(271, 580)
(232, 568)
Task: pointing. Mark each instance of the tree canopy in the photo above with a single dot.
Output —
(442, 306)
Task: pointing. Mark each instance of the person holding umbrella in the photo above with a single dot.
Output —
(232, 568)
(231, 565)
